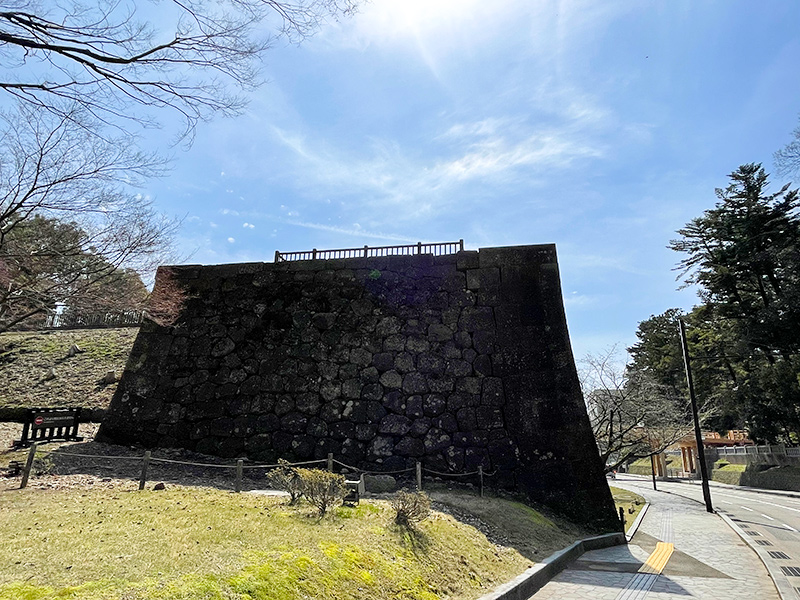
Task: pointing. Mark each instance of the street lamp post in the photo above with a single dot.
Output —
(698, 436)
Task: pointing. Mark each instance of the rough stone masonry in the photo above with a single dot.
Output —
(457, 361)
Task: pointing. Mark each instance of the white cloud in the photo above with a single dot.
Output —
(212, 224)
(491, 152)
(248, 226)
(228, 211)
(355, 230)
(231, 240)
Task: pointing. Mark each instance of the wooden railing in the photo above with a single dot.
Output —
(437, 249)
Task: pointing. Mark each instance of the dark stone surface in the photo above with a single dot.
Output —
(457, 361)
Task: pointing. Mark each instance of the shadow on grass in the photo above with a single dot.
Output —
(412, 538)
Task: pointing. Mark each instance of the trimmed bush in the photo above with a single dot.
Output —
(323, 488)
(410, 508)
(287, 479)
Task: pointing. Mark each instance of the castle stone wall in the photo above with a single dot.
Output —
(458, 361)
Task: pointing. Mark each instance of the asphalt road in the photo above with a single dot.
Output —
(772, 521)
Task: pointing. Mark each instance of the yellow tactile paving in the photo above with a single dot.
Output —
(656, 562)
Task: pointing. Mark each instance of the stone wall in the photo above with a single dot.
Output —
(456, 361)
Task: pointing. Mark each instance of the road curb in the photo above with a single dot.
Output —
(635, 525)
(784, 588)
(525, 585)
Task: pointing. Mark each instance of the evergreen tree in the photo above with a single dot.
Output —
(744, 254)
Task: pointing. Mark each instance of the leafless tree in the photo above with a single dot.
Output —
(787, 159)
(632, 416)
(112, 56)
(85, 75)
(69, 224)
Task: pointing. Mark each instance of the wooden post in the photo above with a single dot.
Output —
(622, 517)
(314, 254)
(330, 462)
(480, 479)
(28, 466)
(239, 469)
(145, 464)
(461, 245)
(419, 476)
(419, 247)
(277, 255)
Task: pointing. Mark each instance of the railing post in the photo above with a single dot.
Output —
(480, 479)
(330, 462)
(314, 254)
(28, 466)
(145, 464)
(461, 245)
(419, 247)
(365, 250)
(277, 255)
(237, 487)
(419, 476)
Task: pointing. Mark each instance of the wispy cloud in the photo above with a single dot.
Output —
(486, 152)
(354, 230)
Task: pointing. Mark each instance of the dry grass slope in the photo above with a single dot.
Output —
(192, 543)
(27, 358)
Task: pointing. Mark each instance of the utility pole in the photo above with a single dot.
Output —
(653, 470)
(698, 436)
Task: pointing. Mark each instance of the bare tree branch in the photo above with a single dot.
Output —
(71, 231)
(632, 416)
(109, 58)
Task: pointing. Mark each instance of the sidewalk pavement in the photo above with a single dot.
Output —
(679, 551)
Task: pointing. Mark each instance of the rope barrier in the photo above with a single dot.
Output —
(148, 459)
(92, 455)
(192, 464)
(388, 472)
(450, 474)
(308, 462)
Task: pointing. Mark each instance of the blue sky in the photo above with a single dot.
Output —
(601, 127)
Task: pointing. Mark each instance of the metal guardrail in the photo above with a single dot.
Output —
(437, 249)
(755, 450)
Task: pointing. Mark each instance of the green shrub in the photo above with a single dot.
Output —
(287, 479)
(410, 507)
(323, 488)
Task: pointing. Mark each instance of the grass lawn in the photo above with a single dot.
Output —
(631, 503)
(192, 543)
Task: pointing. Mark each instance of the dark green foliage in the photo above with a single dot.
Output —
(45, 260)
(745, 256)
(744, 339)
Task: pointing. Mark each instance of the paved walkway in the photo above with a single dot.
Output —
(680, 551)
